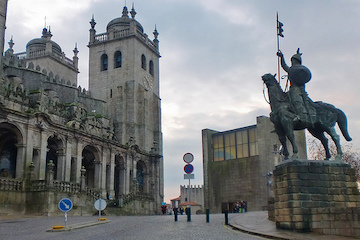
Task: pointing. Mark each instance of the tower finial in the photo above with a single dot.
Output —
(92, 22)
(125, 12)
(133, 12)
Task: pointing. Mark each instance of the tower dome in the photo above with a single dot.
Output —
(123, 22)
(39, 44)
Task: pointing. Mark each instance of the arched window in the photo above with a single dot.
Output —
(143, 62)
(104, 62)
(151, 68)
(117, 59)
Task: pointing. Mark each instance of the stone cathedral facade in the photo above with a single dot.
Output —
(58, 140)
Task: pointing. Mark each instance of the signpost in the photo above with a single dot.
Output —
(100, 205)
(65, 205)
(188, 158)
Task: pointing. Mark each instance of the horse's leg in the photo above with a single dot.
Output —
(289, 132)
(324, 141)
(336, 138)
(282, 139)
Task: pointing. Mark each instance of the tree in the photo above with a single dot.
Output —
(350, 155)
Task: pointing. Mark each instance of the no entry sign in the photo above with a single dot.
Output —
(188, 157)
(189, 168)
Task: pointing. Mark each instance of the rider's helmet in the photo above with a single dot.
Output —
(297, 56)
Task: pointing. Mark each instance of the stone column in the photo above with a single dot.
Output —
(128, 179)
(82, 179)
(43, 152)
(97, 175)
(68, 161)
(103, 172)
(60, 176)
(20, 161)
(123, 174)
(79, 148)
(3, 10)
(110, 176)
(50, 175)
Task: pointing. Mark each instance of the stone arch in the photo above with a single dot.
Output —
(91, 162)
(141, 176)
(55, 153)
(10, 139)
(31, 65)
(51, 75)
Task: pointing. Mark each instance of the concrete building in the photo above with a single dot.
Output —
(237, 165)
(59, 140)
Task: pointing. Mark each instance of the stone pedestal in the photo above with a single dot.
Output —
(310, 195)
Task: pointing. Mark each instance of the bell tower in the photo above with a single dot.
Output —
(124, 72)
(3, 10)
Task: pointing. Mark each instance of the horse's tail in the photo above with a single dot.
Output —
(342, 123)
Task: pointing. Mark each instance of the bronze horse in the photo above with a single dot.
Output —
(282, 115)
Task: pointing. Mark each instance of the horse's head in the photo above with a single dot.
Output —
(269, 79)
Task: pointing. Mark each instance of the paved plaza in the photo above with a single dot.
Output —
(123, 227)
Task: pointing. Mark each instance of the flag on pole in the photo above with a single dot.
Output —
(279, 27)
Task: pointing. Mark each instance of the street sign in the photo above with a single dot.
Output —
(100, 204)
(189, 168)
(188, 157)
(65, 204)
(189, 176)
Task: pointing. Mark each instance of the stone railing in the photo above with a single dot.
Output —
(92, 193)
(122, 33)
(21, 55)
(38, 185)
(8, 184)
(136, 196)
(101, 37)
(67, 187)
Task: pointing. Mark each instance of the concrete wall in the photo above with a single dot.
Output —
(243, 179)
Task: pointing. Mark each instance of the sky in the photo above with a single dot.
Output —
(213, 54)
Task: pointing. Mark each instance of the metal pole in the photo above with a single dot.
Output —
(189, 208)
(207, 215)
(278, 43)
(226, 217)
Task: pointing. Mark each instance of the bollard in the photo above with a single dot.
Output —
(226, 217)
(176, 214)
(188, 214)
(207, 215)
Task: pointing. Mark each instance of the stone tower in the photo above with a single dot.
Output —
(3, 7)
(124, 72)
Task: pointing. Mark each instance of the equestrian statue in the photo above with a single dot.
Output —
(294, 110)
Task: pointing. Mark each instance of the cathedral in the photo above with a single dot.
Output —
(58, 140)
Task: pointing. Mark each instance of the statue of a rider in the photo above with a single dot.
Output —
(298, 76)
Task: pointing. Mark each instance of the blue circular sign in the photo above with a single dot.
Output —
(189, 168)
(65, 204)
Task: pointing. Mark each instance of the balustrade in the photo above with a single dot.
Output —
(8, 184)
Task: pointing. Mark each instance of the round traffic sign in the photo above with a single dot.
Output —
(100, 204)
(188, 157)
(189, 168)
(65, 204)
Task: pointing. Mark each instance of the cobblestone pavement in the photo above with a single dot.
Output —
(123, 227)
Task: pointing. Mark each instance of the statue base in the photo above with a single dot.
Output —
(317, 196)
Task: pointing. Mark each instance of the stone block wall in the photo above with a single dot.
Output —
(318, 196)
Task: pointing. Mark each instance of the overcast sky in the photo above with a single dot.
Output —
(214, 53)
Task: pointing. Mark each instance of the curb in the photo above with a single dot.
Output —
(78, 226)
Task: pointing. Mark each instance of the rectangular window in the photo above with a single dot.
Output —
(236, 144)
(230, 149)
(218, 148)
